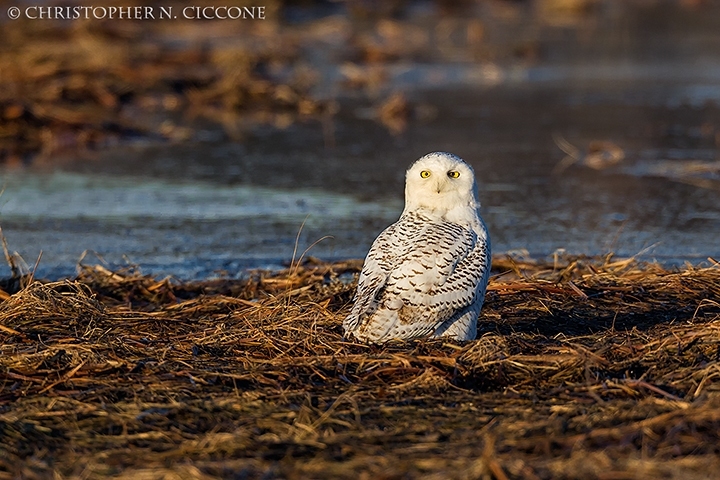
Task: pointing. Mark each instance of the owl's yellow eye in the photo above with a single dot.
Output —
(425, 173)
(453, 174)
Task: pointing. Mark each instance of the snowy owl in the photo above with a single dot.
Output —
(426, 274)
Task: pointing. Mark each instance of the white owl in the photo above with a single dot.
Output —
(426, 274)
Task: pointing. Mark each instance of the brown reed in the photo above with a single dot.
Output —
(590, 367)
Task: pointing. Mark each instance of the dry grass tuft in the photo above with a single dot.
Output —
(595, 367)
(45, 304)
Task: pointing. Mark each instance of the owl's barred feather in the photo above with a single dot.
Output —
(426, 274)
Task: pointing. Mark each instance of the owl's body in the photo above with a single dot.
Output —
(426, 274)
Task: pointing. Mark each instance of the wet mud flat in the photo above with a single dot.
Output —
(583, 367)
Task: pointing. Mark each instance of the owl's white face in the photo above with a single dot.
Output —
(440, 182)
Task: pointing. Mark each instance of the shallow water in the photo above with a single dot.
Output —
(216, 207)
(187, 229)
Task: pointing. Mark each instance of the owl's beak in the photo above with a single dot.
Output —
(439, 185)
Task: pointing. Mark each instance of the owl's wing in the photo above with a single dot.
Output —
(434, 272)
(465, 291)
(467, 281)
(379, 262)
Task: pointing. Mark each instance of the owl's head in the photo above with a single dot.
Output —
(440, 182)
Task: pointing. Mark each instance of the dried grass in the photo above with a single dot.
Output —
(583, 367)
(81, 85)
